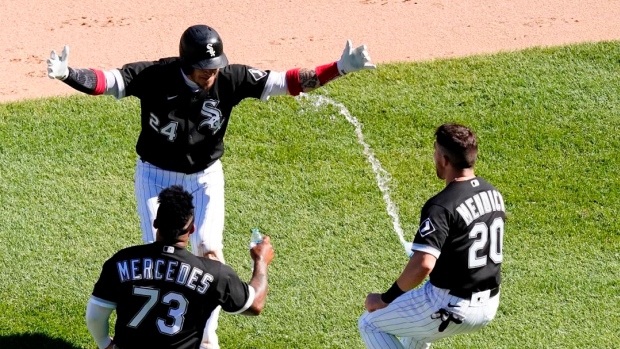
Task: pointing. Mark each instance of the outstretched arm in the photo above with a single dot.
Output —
(305, 80)
(298, 80)
(89, 81)
(262, 254)
(259, 284)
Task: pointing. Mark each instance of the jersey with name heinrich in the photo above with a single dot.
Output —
(164, 295)
(463, 226)
(183, 130)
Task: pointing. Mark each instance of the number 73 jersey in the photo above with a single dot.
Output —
(163, 295)
(463, 226)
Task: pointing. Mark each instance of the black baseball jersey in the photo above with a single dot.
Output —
(183, 130)
(463, 226)
(164, 295)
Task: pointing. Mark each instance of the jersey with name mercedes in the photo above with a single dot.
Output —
(164, 295)
(183, 130)
(463, 226)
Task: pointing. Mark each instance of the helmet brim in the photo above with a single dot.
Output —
(212, 63)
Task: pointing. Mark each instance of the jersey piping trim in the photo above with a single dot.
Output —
(102, 302)
(251, 294)
(427, 249)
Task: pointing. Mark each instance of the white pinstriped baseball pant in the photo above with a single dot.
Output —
(207, 187)
(407, 322)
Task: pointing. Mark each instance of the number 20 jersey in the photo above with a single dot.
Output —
(463, 226)
(164, 295)
(183, 130)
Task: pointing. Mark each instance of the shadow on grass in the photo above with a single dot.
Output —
(33, 341)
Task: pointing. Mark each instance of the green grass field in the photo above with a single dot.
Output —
(549, 133)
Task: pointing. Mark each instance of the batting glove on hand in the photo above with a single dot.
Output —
(57, 67)
(354, 59)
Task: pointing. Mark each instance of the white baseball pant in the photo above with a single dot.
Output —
(410, 321)
(207, 187)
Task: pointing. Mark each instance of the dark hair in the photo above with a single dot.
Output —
(458, 143)
(174, 212)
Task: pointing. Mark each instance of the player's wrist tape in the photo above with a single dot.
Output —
(324, 73)
(390, 295)
(327, 72)
(90, 81)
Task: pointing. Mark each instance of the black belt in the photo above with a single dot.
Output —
(467, 294)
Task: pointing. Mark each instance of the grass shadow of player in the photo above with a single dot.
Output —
(33, 341)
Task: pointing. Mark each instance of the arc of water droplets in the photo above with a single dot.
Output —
(382, 176)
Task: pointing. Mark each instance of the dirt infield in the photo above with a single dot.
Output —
(282, 34)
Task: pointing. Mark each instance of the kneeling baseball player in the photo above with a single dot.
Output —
(458, 244)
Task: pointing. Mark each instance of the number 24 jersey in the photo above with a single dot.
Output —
(182, 130)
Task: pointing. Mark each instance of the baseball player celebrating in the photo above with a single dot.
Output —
(162, 294)
(459, 244)
(186, 105)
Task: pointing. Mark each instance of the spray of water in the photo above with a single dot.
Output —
(382, 176)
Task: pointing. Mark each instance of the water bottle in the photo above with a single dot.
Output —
(256, 237)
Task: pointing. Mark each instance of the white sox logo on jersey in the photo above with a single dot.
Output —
(426, 227)
(210, 50)
(213, 116)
